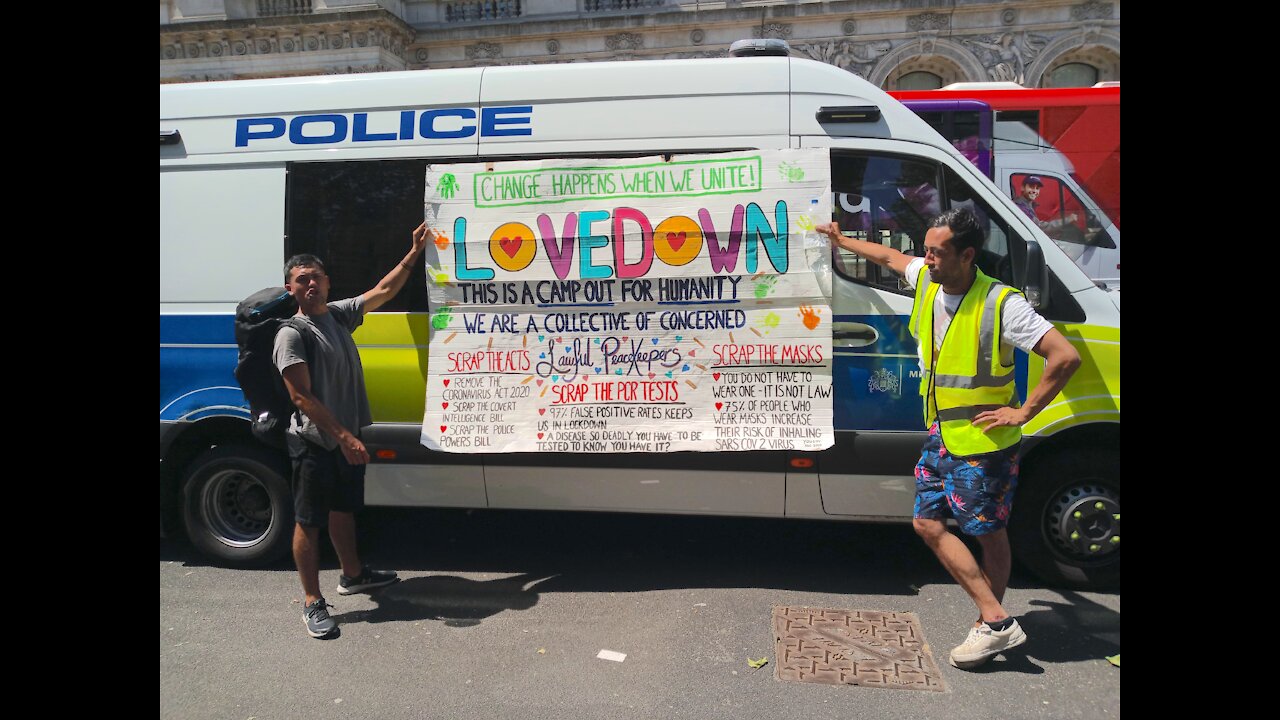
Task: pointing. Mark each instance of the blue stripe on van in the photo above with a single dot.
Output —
(198, 382)
(197, 329)
(871, 393)
(1020, 373)
(893, 331)
(883, 393)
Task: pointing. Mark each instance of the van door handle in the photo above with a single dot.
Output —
(852, 335)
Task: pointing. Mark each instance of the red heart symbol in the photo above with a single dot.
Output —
(539, 382)
(444, 405)
(542, 411)
(539, 436)
(691, 352)
(442, 427)
(446, 383)
(650, 376)
(715, 375)
(511, 246)
(718, 405)
(675, 240)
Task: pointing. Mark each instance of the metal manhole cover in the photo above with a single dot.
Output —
(853, 647)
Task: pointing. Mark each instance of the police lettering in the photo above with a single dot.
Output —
(387, 126)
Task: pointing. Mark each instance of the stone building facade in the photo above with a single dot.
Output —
(896, 44)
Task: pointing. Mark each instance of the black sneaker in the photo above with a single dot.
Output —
(368, 580)
(316, 618)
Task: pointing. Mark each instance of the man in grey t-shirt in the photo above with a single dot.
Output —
(326, 384)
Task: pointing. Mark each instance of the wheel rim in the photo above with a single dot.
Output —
(237, 508)
(1083, 523)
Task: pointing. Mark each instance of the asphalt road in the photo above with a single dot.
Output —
(501, 614)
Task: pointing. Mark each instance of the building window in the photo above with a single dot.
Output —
(278, 8)
(1072, 75)
(919, 80)
(594, 6)
(472, 10)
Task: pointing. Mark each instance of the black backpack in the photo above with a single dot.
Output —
(258, 318)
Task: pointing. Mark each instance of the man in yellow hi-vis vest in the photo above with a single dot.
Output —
(967, 325)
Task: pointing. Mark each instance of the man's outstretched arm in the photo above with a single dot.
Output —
(875, 252)
(390, 285)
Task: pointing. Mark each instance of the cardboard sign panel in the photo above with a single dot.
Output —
(632, 305)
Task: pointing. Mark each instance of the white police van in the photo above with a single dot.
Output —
(254, 171)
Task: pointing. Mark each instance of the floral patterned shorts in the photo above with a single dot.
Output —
(977, 491)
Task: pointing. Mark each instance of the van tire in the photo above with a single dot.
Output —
(237, 506)
(1050, 494)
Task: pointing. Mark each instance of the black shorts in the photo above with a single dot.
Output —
(323, 482)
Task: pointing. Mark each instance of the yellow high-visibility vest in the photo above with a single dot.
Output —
(972, 371)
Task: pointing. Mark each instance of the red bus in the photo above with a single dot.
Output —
(1081, 123)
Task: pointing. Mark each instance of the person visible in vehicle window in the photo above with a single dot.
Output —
(1027, 201)
(1030, 193)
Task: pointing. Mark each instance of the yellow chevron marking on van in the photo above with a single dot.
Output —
(393, 350)
(1093, 393)
(394, 329)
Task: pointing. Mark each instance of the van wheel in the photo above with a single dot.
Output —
(1065, 525)
(237, 506)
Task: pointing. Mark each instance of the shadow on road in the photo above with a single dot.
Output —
(457, 601)
(598, 552)
(613, 552)
(1079, 629)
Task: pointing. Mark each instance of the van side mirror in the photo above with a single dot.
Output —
(1036, 285)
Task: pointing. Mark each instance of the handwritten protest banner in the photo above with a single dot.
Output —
(638, 305)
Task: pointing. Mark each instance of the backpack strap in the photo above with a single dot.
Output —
(304, 332)
(308, 345)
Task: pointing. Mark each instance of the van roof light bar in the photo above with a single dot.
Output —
(848, 114)
(760, 47)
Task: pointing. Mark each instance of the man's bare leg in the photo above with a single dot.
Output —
(306, 555)
(342, 530)
(996, 562)
(958, 561)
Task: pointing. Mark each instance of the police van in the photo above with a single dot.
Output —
(252, 172)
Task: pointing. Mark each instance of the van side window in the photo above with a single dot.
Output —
(1030, 118)
(358, 217)
(891, 200)
(886, 199)
(1003, 256)
(1059, 211)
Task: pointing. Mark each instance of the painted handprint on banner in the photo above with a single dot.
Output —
(438, 275)
(765, 286)
(791, 172)
(441, 319)
(810, 317)
(448, 186)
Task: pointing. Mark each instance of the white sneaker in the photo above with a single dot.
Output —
(983, 643)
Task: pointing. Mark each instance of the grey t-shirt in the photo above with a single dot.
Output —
(337, 377)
